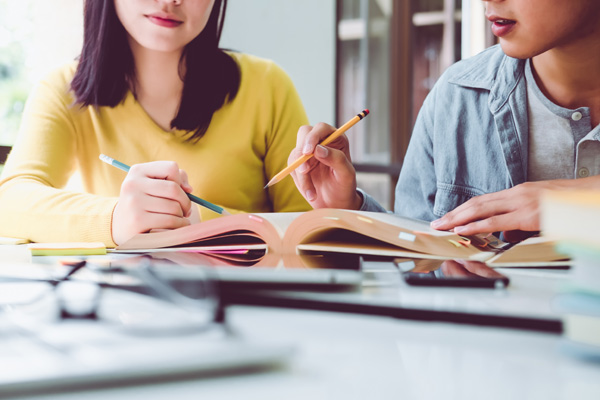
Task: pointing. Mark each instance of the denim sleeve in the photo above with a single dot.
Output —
(369, 203)
(416, 187)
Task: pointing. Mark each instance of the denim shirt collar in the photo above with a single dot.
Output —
(507, 101)
(501, 82)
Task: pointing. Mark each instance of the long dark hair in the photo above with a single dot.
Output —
(106, 69)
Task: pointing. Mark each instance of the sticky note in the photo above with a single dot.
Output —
(67, 249)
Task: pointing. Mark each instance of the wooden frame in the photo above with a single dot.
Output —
(4, 150)
(400, 94)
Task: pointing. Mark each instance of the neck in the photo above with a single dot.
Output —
(570, 75)
(156, 74)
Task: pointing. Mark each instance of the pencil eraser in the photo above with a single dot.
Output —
(366, 111)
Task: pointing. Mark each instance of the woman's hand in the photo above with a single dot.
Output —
(327, 180)
(514, 211)
(153, 196)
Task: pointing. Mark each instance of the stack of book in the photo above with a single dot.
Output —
(572, 218)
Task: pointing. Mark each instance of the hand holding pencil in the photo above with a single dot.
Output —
(154, 195)
(325, 175)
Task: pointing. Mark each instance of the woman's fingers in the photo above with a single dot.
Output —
(133, 215)
(161, 179)
(185, 184)
(153, 196)
(167, 170)
(150, 221)
(167, 190)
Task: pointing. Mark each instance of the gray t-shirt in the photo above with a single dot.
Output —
(562, 143)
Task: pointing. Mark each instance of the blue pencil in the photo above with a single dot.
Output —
(193, 198)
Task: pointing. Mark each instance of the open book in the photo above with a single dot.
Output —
(328, 230)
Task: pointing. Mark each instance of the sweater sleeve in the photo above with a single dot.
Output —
(288, 116)
(34, 203)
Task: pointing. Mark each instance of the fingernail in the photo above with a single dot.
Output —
(436, 223)
(310, 195)
(321, 151)
(459, 229)
(307, 149)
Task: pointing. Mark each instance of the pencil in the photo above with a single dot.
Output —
(337, 133)
(193, 198)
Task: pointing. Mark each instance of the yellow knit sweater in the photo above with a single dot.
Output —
(248, 142)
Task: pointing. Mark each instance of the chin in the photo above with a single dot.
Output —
(516, 51)
(163, 46)
(519, 50)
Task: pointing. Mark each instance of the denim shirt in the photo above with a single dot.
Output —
(470, 138)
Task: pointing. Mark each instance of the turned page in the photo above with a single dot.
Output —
(239, 231)
(370, 233)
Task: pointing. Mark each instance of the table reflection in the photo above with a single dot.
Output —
(454, 272)
(256, 260)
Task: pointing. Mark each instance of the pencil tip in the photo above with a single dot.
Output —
(266, 186)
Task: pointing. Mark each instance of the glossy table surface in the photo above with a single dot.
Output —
(358, 356)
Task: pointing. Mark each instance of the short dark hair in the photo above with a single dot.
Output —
(106, 69)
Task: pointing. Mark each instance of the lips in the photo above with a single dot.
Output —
(164, 20)
(501, 26)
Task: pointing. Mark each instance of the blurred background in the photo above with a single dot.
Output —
(343, 56)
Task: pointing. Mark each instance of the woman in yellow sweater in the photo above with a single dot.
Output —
(150, 84)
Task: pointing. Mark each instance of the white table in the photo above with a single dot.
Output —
(346, 356)
(360, 357)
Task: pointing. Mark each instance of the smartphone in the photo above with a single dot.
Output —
(452, 273)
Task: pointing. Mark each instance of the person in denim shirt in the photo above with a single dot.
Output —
(496, 130)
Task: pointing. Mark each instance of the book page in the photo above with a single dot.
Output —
(238, 231)
(408, 223)
(534, 251)
(360, 229)
(280, 221)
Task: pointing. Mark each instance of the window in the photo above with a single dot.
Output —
(35, 37)
(390, 53)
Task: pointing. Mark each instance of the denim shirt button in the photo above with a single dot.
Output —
(576, 116)
(583, 172)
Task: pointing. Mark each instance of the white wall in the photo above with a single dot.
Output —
(299, 36)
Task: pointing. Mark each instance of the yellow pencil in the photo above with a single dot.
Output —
(337, 133)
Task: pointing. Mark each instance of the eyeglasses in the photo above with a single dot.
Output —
(147, 304)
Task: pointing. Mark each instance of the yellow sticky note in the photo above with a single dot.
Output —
(67, 249)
